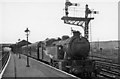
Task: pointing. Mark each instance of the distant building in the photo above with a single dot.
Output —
(17, 46)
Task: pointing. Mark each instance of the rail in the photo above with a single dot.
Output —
(3, 60)
(108, 69)
(103, 59)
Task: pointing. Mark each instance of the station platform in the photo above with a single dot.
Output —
(16, 68)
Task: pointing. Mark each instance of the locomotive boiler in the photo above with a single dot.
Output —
(75, 48)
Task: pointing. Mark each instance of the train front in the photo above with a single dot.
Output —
(78, 47)
(77, 50)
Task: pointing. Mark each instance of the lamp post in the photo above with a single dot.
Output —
(27, 33)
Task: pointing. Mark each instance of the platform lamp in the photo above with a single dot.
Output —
(19, 48)
(27, 31)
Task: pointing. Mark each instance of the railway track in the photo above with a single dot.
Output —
(109, 70)
(97, 58)
(3, 60)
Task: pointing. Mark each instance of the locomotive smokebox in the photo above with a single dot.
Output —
(78, 46)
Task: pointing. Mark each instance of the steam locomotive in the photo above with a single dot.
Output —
(68, 54)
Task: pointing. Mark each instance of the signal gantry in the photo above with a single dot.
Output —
(79, 21)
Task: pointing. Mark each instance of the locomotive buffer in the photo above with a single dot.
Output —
(79, 21)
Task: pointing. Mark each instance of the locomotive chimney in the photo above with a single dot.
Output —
(76, 33)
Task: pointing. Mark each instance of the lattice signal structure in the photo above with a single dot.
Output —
(79, 21)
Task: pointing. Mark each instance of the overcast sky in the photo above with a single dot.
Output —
(43, 18)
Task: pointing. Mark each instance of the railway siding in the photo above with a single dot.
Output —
(108, 69)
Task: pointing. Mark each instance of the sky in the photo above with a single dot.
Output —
(43, 18)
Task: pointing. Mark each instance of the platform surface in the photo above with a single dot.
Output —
(17, 68)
